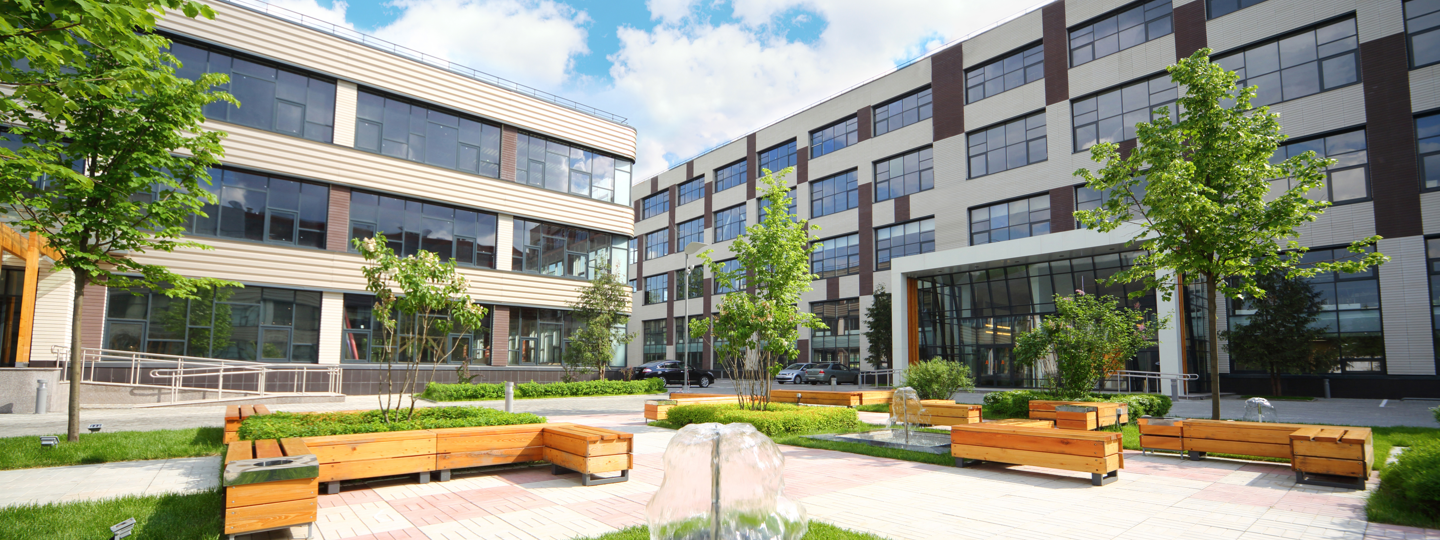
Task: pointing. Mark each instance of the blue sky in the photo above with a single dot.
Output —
(688, 74)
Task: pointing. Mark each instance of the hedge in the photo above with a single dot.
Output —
(1409, 492)
(490, 391)
(1016, 403)
(281, 425)
(776, 419)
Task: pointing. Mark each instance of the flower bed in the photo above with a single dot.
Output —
(283, 425)
(777, 419)
(489, 391)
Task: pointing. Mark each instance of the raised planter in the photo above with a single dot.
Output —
(1106, 413)
(234, 415)
(1161, 433)
(658, 409)
(269, 484)
(372, 455)
(1097, 453)
(943, 412)
(1347, 452)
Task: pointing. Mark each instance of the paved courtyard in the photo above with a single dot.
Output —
(1155, 497)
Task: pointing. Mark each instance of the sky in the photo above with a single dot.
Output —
(687, 74)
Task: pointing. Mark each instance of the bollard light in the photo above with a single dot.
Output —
(49, 442)
(122, 529)
(94, 428)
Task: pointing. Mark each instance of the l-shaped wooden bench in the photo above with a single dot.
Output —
(1096, 452)
(1330, 450)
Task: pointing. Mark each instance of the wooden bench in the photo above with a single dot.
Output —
(1107, 414)
(287, 500)
(943, 412)
(1338, 451)
(1023, 422)
(658, 409)
(1161, 434)
(827, 397)
(234, 415)
(1200, 437)
(372, 455)
(588, 451)
(1098, 453)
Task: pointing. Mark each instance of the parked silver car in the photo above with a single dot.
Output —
(793, 373)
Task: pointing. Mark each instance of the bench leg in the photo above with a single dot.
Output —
(445, 475)
(1102, 479)
(1354, 483)
(592, 480)
(965, 462)
(332, 488)
(1194, 455)
(424, 477)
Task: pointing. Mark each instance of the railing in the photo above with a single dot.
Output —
(398, 50)
(190, 373)
(1176, 380)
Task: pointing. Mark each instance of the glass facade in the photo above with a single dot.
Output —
(261, 324)
(777, 159)
(689, 231)
(902, 112)
(1422, 19)
(1007, 73)
(732, 265)
(564, 251)
(362, 340)
(654, 340)
(1120, 31)
(1427, 136)
(902, 175)
(764, 206)
(1111, 116)
(834, 194)
(729, 223)
(558, 166)
(840, 342)
(834, 137)
(657, 289)
(1008, 146)
(272, 97)
(897, 241)
(691, 350)
(690, 284)
(730, 176)
(410, 226)
(657, 244)
(538, 336)
(1348, 180)
(655, 205)
(264, 208)
(426, 134)
(692, 191)
(1303, 64)
(1221, 8)
(973, 317)
(836, 257)
(1010, 221)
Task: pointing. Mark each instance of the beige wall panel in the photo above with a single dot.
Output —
(263, 150)
(847, 222)
(1005, 106)
(1339, 225)
(1273, 18)
(1425, 88)
(267, 36)
(954, 196)
(504, 241)
(1322, 112)
(651, 224)
(695, 209)
(346, 99)
(729, 198)
(881, 90)
(332, 315)
(1430, 211)
(1409, 347)
(54, 302)
(719, 157)
(1147, 59)
(1078, 11)
(1003, 39)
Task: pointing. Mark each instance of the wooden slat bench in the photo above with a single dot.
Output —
(943, 412)
(1023, 422)
(1338, 451)
(1098, 453)
(827, 397)
(459, 448)
(1161, 434)
(263, 506)
(372, 455)
(588, 451)
(1107, 414)
(234, 415)
(1200, 437)
(658, 409)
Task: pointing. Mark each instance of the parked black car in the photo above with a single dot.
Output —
(823, 373)
(673, 372)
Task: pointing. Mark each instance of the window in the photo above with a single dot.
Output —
(1432, 253)
(764, 205)
(1090, 199)
(561, 250)
(657, 244)
(836, 257)
(777, 159)
(835, 194)
(690, 350)
(1111, 116)
(1120, 31)
(1221, 8)
(1307, 63)
(692, 191)
(399, 128)
(1427, 135)
(657, 289)
(903, 175)
(731, 266)
(690, 284)
(655, 340)
(902, 112)
(840, 342)
(1348, 180)
(467, 236)
(262, 324)
(690, 231)
(361, 340)
(1010, 221)
(1350, 311)
(655, 205)
(1008, 146)
(634, 249)
(904, 239)
(729, 223)
(558, 166)
(836, 136)
(730, 176)
(538, 336)
(262, 208)
(1005, 74)
(273, 98)
(1422, 18)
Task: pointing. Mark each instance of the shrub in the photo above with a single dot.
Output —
(776, 419)
(488, 391)
(1436, 410)
(282, 425)
(1011, 404)
(1412, 484)
(938, 378)
(1016, 403)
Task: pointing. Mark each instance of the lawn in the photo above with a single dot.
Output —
(816, 531)
(26, 452)
(197, 516)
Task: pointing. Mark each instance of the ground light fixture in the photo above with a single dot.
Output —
(122, 529)
(49, 441)
(94, 428)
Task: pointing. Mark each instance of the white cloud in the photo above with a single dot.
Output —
(335, 14)
(669, 11)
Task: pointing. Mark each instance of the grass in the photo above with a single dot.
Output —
(1281, 398)
(26, 452)
(873, 407)
(1385, 506)
(196, 516)
(816, 531)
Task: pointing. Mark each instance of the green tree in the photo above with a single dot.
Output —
(755, 334)
(1197, 193)
(878, 333)
(1279, 336)
(601, 311)
(1088, 337)
(101, 121)
(938, 378)
(423, 314)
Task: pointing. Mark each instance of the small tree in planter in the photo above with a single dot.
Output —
(755, 333)
(600, 309)
(938, 378)
(420, 303)
(1088, 337)
(1279, 337)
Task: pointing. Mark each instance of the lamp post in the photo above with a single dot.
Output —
(690, 249)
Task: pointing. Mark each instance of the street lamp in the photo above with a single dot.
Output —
(692, 248)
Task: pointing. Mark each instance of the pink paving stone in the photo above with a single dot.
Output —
(329, 501)
(410, 533)
(514, 503)
(420, 512)
(455, 507)
(1266, 469)
(532, 475)
(1240, 494)
(490, 494)
(1177, 470)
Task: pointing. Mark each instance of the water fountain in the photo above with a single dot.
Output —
(1260, 410)
(908, 411)
(723, 482)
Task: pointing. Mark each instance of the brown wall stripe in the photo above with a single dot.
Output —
(500, 336)
(902, 209)
(670, 307)
(639, 203)
(862, 122)
(1126, 147)
(689, 170)
(654, 185)
(1189, 29)
(338, 219)
(802, 167)
(804, 346)
(832, 288)
(947, 83)
(867, 240)
(675, 246)
(92, 319)
(752, 166)
(1391, 131)
(1062, 208)
(509, 156)
(709, 209)
(1057, 58)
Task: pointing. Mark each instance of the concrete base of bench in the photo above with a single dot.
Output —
(1302, 477)
(1095, 479)
(309, 532)
(588, 479)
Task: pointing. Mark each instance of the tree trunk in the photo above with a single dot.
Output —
(1211, 322)
(1275, 383)
(77, 355)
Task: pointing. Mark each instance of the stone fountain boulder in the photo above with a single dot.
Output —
(746, 503)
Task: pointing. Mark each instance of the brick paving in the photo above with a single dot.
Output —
(1156, 496)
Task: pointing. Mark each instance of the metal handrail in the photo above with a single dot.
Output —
(185, 368)
(1176, 379)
